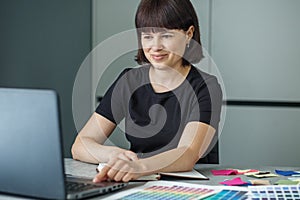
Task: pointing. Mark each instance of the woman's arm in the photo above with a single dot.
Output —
(194, 142)
(88, 145)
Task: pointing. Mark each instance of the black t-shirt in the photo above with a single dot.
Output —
(154, 122)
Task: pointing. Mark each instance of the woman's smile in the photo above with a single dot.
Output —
(158, 57)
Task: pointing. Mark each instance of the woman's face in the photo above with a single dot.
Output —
(165, 48)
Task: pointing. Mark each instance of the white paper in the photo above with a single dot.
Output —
(191, 174)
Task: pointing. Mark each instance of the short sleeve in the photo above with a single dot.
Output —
(207, 107)
(111, 105)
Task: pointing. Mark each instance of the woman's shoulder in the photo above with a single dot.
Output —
(134, 76)
(135, 71)
(199, 76)
(206, 83)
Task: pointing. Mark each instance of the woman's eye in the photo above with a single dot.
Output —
(147, 37)
(167, 36)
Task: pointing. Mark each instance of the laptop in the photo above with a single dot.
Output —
(32, 162)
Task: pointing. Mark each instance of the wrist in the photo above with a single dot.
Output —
(145, 168)
(113, 152)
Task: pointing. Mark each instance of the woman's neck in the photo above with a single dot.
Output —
(167, 79)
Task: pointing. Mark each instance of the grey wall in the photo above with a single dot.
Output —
(111, 18)
(255, 45)
(42, 46)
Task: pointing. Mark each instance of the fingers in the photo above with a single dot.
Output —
(125, 174)
(102, 175)
(121, 170)
(118, 176)
(127, 177)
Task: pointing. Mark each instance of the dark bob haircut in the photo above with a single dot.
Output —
(170, 14)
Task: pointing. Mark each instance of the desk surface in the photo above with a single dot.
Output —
(77, 168)
(89, 170)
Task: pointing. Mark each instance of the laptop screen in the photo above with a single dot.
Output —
(30, 143)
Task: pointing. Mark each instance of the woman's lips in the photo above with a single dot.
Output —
(158, 57)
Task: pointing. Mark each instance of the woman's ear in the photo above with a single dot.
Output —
(190, 32)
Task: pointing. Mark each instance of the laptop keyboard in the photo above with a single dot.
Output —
(77, 187)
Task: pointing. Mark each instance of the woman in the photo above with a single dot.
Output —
(171, 109)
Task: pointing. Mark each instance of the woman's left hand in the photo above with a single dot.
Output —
(120, 170)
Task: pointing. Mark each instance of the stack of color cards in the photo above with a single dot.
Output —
(170, 192)
(288, 192)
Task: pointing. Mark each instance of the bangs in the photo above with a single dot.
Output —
(156, 16)
(152, 29)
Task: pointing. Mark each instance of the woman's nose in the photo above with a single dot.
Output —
(157, 44)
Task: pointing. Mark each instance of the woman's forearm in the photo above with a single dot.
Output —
(87, 150)
(175, 160)
(179, 159)
(192, 146)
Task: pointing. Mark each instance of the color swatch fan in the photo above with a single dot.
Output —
(274, 192)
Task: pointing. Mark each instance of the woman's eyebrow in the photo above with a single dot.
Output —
(161, 32)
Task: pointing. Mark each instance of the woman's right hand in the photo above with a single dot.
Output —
(123, 155)
(118, 155)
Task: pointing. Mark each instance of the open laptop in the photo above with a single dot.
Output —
(32, 162)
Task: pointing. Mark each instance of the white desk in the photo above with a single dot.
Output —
(89, 170)
(77, 168)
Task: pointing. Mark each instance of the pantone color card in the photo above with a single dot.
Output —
(171, 192)
(229, 194)
(282, 192)
(167, 190)
(179, 190)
